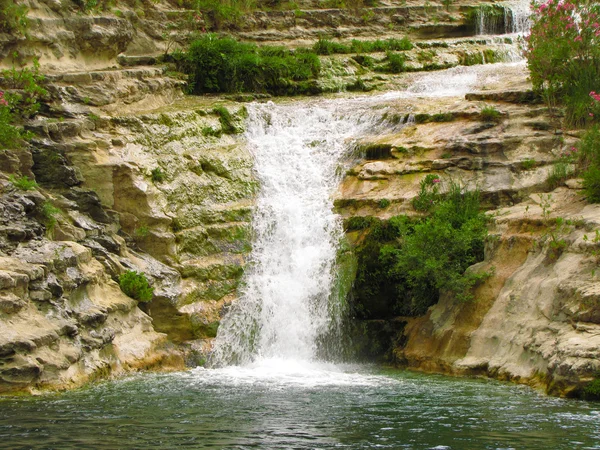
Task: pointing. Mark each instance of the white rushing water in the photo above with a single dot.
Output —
(515, 20)
(285, 307)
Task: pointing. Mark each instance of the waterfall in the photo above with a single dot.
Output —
(504, 18)
(285, 305)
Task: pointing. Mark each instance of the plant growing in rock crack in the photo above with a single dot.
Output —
(49, 213)
(157, 175)
(136, 286)
(429, 193)
(490, 114)
(24, 183)
(141, 232)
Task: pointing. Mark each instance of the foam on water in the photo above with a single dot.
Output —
(285, 372)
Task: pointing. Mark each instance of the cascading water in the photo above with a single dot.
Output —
(285, 307)
(505, 18)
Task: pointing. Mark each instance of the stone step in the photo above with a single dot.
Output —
(83, 78)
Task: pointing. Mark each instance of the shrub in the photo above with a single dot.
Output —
(225, 65)
(10, 135)
(592, 390)
(411, 261)
(383, 203)
(428, 195)
(24, 183)
(26, 84)
(326, 47)
(395, 63)
(13, 17)
(559, 173)
(219, 14)
(136, 286)
(563, 56)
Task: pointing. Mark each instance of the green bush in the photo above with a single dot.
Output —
(592, 390)
(326, 47)
(404, 264)
(429, 193)
(225, 65)
(395, 63)
(136, 286)
(13, 17)
(10, 135)
(565, 63)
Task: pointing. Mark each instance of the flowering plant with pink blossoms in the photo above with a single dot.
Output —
(563, 56)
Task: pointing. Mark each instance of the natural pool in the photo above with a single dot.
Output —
(284, 405)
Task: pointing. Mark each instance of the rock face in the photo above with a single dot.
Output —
(536, 320)
(64, 321)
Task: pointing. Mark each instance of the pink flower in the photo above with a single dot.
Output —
(436, 180)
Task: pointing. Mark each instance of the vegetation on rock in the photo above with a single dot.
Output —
(13, 17)
(563, 56)
(217, 64)
(404, 264)
(20, 100)
(136, 286)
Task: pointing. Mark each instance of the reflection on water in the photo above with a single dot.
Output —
(276, 405)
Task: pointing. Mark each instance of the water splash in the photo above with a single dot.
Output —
(286, 306)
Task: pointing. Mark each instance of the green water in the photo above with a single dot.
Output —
(359, 408)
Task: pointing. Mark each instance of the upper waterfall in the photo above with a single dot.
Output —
(285, 304)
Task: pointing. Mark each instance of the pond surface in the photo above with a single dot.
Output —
(287, 406)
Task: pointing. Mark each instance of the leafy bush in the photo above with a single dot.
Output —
(25, 89)
(326, 47)
(136, 286)
(411, 261)
(563, 56)
(10, 135)
(428, 195)
(225, 65)
(592, 390)
(13, 17)
(395, 63)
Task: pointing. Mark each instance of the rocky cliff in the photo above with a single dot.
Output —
(134, 175)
